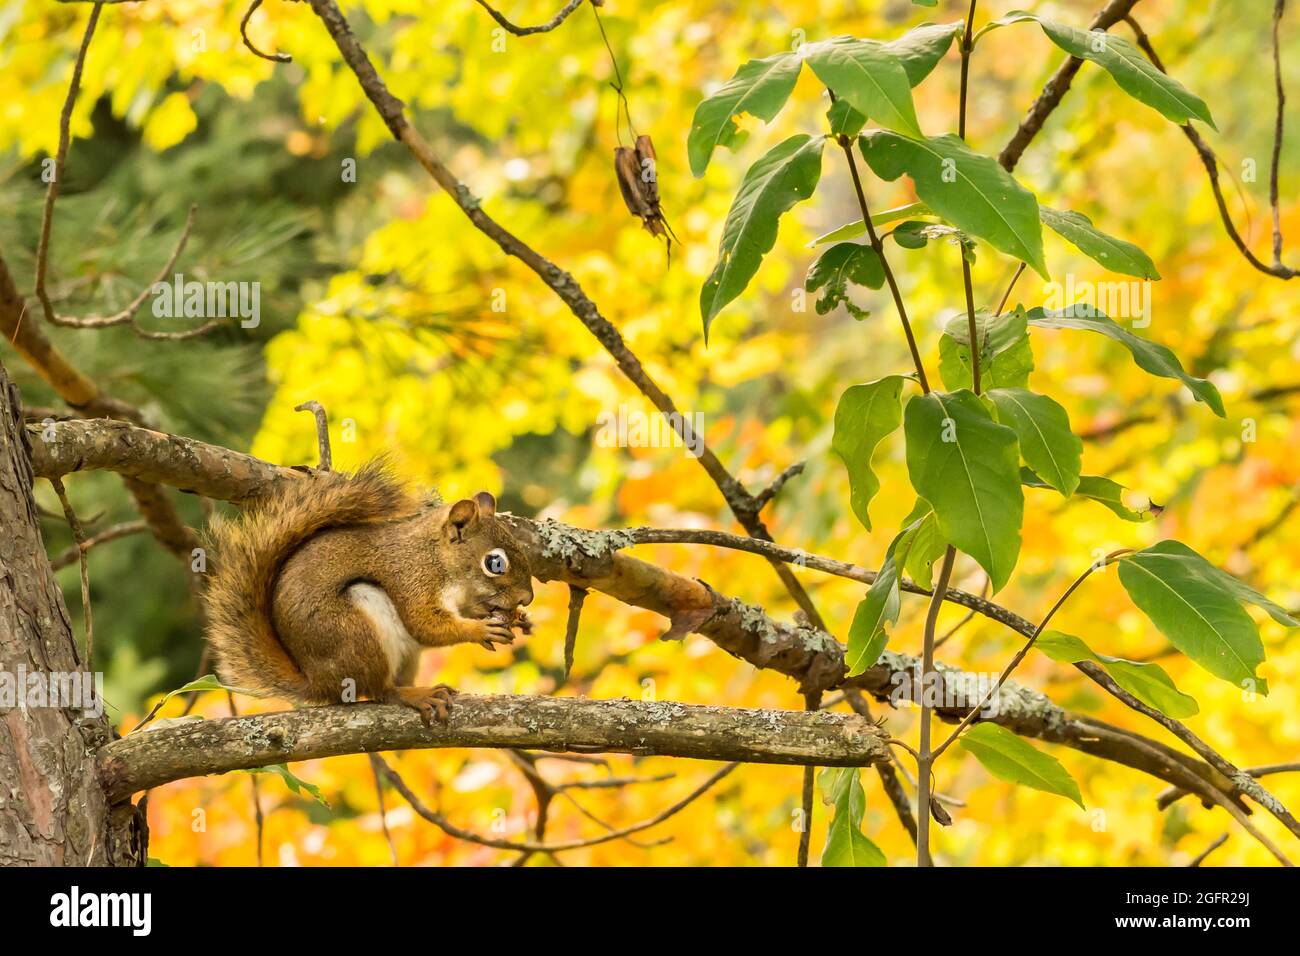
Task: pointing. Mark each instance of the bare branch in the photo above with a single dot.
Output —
(1056, 88)
(564, 285)
(322, 432)
(243, 33)
(151, 758)
(1279, 7)
(79, 534)
(1200, 857)
(546, 27)
(591, 559)
(47, 223)
(577, 595)
(1211, 163)
(771, 491)
(108, 534)
(528, 847)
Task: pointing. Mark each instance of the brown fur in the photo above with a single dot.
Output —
(284, 617)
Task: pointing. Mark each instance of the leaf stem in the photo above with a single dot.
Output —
(925, 759)
(1010, 285)
(967, 43)
(971, 330)
(1020, 655)
(879, 248)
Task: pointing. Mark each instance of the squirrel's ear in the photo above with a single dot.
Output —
(487, 505)
(462, 516)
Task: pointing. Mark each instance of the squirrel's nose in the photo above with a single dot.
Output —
(517, 597)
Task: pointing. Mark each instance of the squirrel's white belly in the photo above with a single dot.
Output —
(399, 646)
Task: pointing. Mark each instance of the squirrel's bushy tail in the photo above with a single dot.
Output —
(248, 555)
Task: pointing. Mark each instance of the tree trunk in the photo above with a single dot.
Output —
(52, 809)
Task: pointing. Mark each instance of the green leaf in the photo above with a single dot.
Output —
(844, 120)
(968, 467)
(851, 230)
(864, 416)
(879, 609)
(1115, 254)
(1194, 608)
(838, 266)
(759, 88)
(927, 546)
(206, 682)
(1136, 75)
(1148, 682)
(1046, 443)
(1006, 357)
(296, 784)
(921, 48)
(1150, 357)
(845, 843)
(785, 176)
(916, 234)
(969, 190)
(869, 76)
(1101, 490)
(1176, 550)
(1009, 758)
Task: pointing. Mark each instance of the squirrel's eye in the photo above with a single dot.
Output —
(495, 562)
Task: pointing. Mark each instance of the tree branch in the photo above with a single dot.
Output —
(24, 333)
(592, 560)
(742, 504)
(546, 27)
(1211, 163)
(1056, 88)
(151, 758)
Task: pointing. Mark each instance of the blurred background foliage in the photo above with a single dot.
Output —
(377, 299)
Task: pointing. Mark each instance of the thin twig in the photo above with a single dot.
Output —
(243, 32)
(577, 596)
(1173, 794)
(812, 701)
(1020, 655)
(258, 817)
(322, 432)
(771, 491)
(47, 225)
(1210, 160)
(79, 533)
(1278, 8)
(1200, 857)
(383, 810)
(108, 534)
(440, 821)
(519, 31)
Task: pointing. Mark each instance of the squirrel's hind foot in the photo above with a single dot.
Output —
(432, 702)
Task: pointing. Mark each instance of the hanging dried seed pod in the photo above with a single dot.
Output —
(639, 184)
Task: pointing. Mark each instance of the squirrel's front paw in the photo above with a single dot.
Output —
(432, 702)
(496, 631)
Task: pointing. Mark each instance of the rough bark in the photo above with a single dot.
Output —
(149, 758)
(52, 810)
